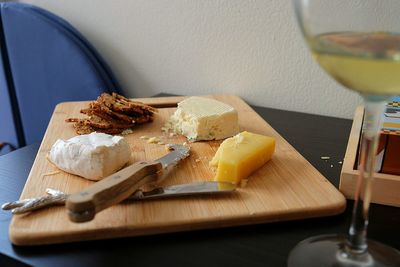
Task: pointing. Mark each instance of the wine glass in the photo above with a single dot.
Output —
(358, 44)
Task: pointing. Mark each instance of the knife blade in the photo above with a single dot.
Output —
(84, 205)
(195, 188)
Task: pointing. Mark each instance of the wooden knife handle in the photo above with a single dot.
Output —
(84, 205)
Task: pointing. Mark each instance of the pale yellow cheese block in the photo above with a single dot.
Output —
(239, 156)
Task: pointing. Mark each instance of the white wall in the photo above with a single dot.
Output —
(249, 48)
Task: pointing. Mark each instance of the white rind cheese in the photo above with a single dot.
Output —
(92, 156)
(200, 118)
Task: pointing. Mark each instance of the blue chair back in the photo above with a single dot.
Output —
(50, 62)
(8, 129)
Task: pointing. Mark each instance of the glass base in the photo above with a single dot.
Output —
(329, 250)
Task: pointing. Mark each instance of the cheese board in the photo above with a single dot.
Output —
(288, 187)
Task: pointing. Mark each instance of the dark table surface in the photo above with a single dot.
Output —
(256, 245)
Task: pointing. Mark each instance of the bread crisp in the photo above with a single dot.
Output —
(112, 114)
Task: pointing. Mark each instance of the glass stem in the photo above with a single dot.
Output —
(357, 239)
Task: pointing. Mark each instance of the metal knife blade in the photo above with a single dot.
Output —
(84, 205)
(178, 153)
(195, 188)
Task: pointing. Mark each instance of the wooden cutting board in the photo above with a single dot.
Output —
(288, 187)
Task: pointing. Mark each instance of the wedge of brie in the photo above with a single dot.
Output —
(200, 118)
(92, 156)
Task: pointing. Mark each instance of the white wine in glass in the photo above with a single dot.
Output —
(368, 62)
(358, 44)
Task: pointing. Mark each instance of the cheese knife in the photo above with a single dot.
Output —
(56, 197)
(84, 205)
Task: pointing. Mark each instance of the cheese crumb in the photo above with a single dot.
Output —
(153, 140)
(239, 138)
(126, 132)
(167, 127)
(144, 137)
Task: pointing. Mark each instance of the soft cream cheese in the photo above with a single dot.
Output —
(200, 118)
(92, 156)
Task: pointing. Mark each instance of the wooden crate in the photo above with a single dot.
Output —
(386, 187)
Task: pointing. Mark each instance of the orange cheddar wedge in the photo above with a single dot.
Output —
(239, 156)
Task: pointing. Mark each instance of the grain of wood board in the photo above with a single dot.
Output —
(288, 187)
